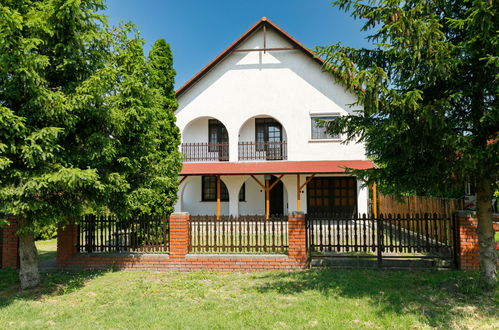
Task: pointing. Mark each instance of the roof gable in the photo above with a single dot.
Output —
(263, 23)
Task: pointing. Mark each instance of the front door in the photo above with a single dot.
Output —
(276, 198)
(268, 137)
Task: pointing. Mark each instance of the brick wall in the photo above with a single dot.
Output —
(10, 244)
(468, 253)
(179, 259)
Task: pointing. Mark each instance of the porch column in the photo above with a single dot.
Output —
(234, 183)
(362, 198)
(233, 144)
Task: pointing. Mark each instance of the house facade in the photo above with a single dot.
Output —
(250, 138)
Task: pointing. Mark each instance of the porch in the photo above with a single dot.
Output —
(272, 188)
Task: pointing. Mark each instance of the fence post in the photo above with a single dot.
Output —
(66, 242)
(10, 244)
(297, 238)
(468, 254)
(179, 234)
(379, 229)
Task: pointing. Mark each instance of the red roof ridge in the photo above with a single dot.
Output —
(228, 50)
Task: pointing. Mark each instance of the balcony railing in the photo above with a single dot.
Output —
(205, 152)
(263, 150)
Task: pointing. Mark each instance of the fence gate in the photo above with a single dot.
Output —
(395, 241)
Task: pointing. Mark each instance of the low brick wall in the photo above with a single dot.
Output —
(468, 254)
(180, 259)
(10, 243)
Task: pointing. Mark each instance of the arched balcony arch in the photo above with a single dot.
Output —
(262, 137)
(205, 139)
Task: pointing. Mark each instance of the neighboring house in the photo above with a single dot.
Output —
(251, 144)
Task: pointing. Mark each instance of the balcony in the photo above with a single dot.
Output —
(263, 150)
(205, 152)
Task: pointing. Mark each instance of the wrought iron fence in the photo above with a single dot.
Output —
(386, 236)
(263, 150)
(244, 234)
(107, 233)
(200, 152)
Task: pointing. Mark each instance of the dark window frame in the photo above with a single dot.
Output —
(262, 130)
(319, 133)
(333, 189)
(224, 193)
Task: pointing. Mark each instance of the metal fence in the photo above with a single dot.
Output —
(107, 233)
(263, 150)
(407, 236)
(244, 234)
(200, 152)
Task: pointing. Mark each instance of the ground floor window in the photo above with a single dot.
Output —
(209, 190)
(332, 195)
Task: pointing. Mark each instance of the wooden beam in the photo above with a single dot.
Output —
(267, 201)
(257, 181)
(298, 193)
(375, 200)
(262, 49)
(307, 181)
(182, 180)
(276, 182)
(218, 197)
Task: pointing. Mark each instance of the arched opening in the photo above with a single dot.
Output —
(205, 139)
(262, 138)
(254, 197)
(199, 196)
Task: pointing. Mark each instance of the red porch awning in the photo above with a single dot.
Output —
(276, 167)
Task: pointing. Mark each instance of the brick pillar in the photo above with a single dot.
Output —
(66, 242)
(10, 243)
(179, 234)
(297, 237)
(468, 254)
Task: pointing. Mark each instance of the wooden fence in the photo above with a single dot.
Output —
(418, 204)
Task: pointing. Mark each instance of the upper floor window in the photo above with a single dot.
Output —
(217, 134)
(267, 130)
(318, 131)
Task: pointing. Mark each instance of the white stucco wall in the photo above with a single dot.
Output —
(286, 85)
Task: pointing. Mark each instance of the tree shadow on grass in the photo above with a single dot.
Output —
(439, 298)
(53, 284)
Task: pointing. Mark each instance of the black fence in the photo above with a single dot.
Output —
(202, 151)
(388, 236)
(1, 247)
(263, 150)
(107, 233)
(244, 234)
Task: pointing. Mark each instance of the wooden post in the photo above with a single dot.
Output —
(218, 197)
(375, 200)
(298, 194)
(267, 202)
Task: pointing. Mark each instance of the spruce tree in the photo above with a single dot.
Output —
(428, 88)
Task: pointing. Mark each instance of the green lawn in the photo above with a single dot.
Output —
(46, 249)
(213, 300)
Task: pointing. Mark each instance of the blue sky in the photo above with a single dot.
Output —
(198, 30)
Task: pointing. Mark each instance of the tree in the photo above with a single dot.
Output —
(428, 87)
(80, 128)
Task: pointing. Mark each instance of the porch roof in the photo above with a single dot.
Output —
(276, 167)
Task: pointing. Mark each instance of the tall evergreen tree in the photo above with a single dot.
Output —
(80, 128)
(429, 90)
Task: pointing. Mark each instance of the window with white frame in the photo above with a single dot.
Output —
(319, 132)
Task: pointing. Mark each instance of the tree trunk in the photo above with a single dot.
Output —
(28, 273)
(486, 241)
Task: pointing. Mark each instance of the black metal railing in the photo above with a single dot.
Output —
(107, 233)
(390, 235)
(263, 150)
(244, 234)
(202, 152)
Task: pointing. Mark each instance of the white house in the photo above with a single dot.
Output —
(251, 144)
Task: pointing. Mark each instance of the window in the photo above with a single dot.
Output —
(209, 190)
(267, 130)
(319, 132)
(217, 133)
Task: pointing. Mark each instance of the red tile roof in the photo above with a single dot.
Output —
(228, 50)
(276, 167)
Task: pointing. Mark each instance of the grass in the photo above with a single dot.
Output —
(267, 300)
(47, 249)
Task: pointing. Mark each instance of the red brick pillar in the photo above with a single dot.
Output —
(297, 237)
(179, 234)
(66, 242)
(468, 254)
(10, 243)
